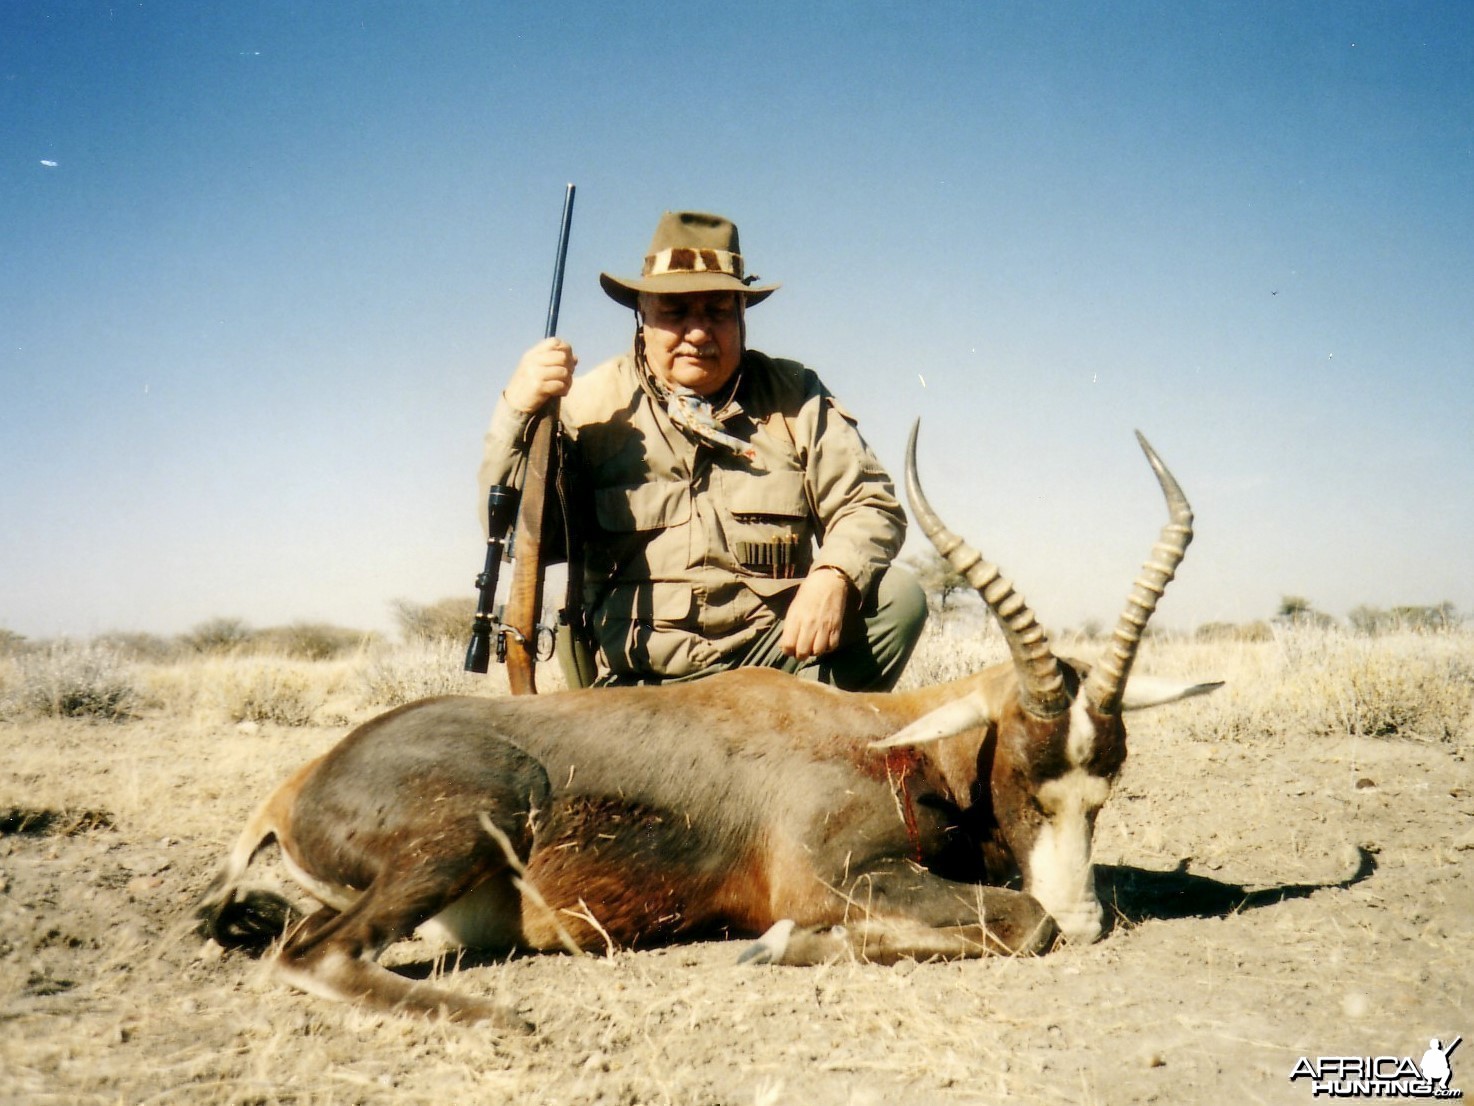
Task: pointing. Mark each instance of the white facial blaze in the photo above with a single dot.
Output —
(1060, 874)
(1080, 742)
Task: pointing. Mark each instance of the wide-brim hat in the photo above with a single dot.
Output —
(691, 252)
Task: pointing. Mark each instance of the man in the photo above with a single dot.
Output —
(705, 474)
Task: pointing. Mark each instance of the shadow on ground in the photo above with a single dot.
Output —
(1136, 895)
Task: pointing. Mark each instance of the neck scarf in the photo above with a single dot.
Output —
(696, 417)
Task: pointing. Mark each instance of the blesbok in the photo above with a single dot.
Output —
(881, 826)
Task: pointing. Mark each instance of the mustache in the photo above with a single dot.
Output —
(707, 350)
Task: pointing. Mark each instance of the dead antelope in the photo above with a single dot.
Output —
(881, 826)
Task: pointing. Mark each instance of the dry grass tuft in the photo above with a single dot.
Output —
(422, 668)
(1328, 683)
(66, 679)
(954, 647)
(250, 688)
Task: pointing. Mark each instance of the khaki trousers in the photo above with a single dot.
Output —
(875, 645)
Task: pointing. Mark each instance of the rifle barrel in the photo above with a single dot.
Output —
(557, 297)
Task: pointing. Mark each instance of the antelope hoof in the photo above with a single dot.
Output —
(770, 947)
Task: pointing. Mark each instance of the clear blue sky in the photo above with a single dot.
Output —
(266, 267)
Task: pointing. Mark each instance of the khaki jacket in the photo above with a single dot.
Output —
(665, 517)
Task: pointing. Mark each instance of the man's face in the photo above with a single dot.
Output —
(693, 339)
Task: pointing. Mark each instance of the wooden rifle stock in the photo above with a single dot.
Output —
(525, 597)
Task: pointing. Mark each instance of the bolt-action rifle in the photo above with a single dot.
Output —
(517, 633)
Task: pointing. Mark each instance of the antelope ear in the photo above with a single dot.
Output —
(1145, 692)
(948, 719)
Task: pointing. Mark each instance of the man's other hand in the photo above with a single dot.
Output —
(815, 617)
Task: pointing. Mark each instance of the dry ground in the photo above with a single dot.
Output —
(1242, 942)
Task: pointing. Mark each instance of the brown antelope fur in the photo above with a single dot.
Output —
(879, 826)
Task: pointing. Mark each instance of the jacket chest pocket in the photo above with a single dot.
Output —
(632, 508)
(767, 520)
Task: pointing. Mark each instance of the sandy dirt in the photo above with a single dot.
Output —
(1273, 899)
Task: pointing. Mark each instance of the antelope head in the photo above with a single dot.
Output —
(1052, 739)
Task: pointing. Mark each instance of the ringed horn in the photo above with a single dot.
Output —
(1042, 689)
